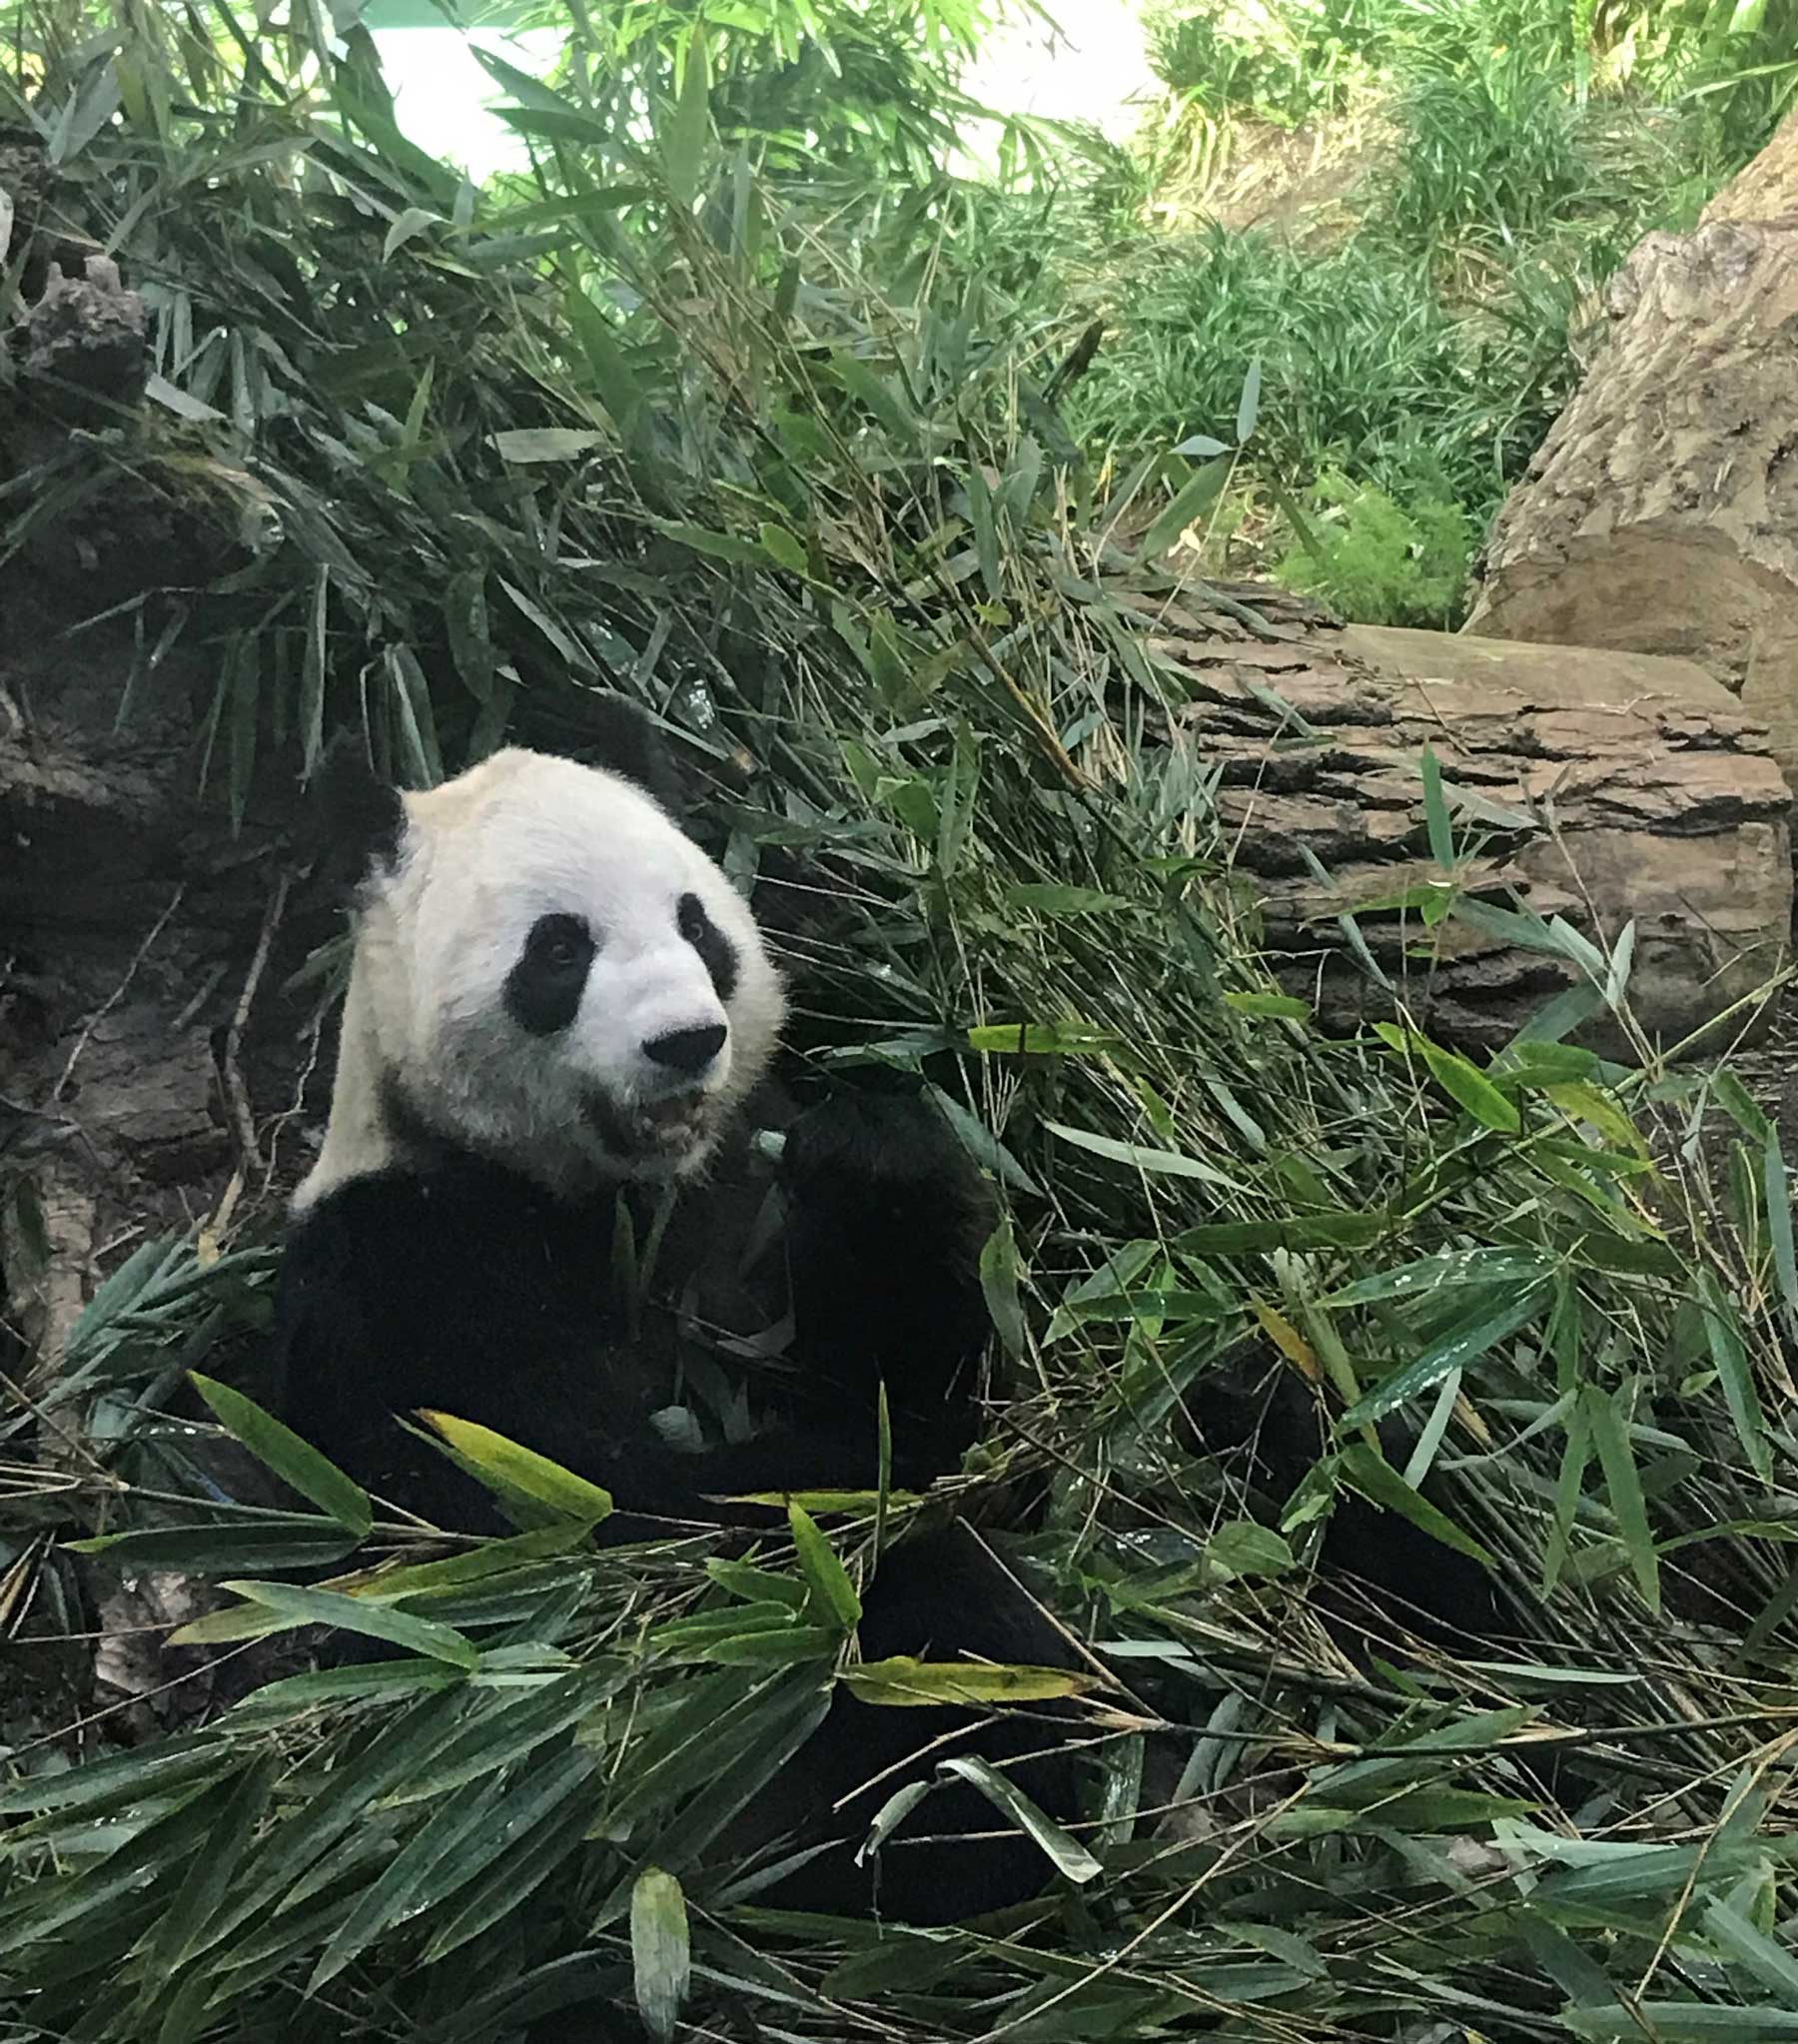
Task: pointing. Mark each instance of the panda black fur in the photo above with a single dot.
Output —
(556, 996)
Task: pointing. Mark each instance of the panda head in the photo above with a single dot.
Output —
(549, 973)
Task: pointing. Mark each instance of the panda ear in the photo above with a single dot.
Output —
(614, 732)
(356, 816)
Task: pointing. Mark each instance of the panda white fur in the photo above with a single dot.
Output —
(555, 997)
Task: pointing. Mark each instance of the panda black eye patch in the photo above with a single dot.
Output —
(716, 952)
(543, 989)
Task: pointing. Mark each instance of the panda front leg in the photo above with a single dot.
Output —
(886, 1218)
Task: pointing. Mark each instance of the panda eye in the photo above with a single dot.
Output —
(691, 918)
(562, 943)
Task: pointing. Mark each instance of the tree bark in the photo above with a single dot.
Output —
(1661, 515)
(1603, 787)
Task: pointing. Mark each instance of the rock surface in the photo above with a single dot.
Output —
(1601, 787)
(1661, 515)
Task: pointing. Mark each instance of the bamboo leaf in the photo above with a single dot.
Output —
(683, 149)
(903, 1681)
(295, 1462)
(832, 1591)
(507, 1466)
(1466, 1343)
(301, 1606)
(1070, 1856)
(1735, 1373)
(1605, 1416)
(1190, 502)
(660, 1956)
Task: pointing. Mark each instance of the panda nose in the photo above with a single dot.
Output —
(687, 1051)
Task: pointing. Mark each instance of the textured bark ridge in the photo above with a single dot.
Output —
(1654, 798)
(1661, 515)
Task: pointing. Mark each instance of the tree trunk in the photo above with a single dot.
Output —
(1661, 515)
(1603, 787)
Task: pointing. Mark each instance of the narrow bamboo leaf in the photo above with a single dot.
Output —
(1583, 1102)
(1377, 1479)
(562, 1805)
(1617, 979)
(1069, 1855)
(901, 1683)
(1287, 1340)
(1739, 1942)
(1735, 1373)
(890, 1815)
(986, 536)
(1622, 1480)
(1249, 404)
(301, 1606)
(1568, 1489)
(1578, 1978)
(1052, 898)
(212, 1870)
(1740, 1105)
(876, 394)
(526, 445)
(1682, 2022)
(755, 1586)
(408, 226)
(1287, 1007)
(783, 548)
(1435, 812)
(227, 1548)
(1777, 1187)
(1458, 1270)
(1242, 1548)
(1469, 1086)
(101, 1786)
(1191, 502)
(473, 1566)
(1464, 1344)
(660, 1953)
(786, 1647)
(683, 150)
(999, 1284)
(295, 1462)
(1040, 1039)
(832, 1591)
(400, 1892)
(514, 1467)
(314, 669)
(1157, 1163)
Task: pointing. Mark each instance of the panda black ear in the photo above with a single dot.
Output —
(619, 735)
(358, 816)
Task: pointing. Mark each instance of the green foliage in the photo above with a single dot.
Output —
(1380, 564)
(784, 464)
(1363, 367)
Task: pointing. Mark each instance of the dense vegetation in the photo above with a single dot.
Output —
(1499, 159)
(788, 442)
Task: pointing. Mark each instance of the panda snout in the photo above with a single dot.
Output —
(690, 1052)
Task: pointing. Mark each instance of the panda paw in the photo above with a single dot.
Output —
(890, 1144)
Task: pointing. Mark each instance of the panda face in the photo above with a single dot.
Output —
(552, 974)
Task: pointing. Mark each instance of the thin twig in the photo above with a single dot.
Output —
(236, 1092)
(118, 993)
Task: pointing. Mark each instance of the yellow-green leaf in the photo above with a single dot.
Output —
(514, 1467)
(832, 1591)
(661, 1951)
(903, 1681)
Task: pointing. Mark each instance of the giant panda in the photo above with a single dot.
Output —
(557, 998)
